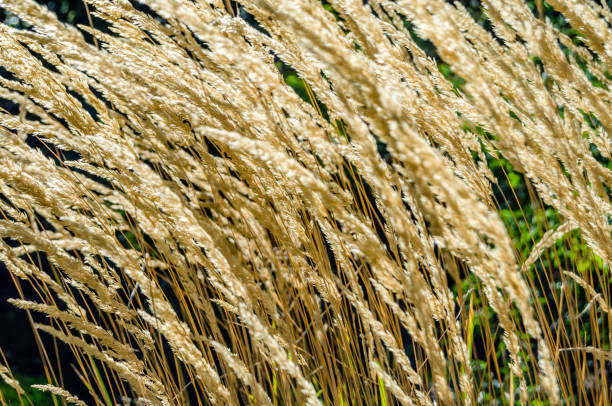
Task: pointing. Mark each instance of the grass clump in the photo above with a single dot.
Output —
(303, 202)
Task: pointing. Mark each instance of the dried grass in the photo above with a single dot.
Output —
(219, 240)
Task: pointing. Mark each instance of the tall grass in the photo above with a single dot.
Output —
(198, 233)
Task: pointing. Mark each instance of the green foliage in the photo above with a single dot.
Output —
(35, 396)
